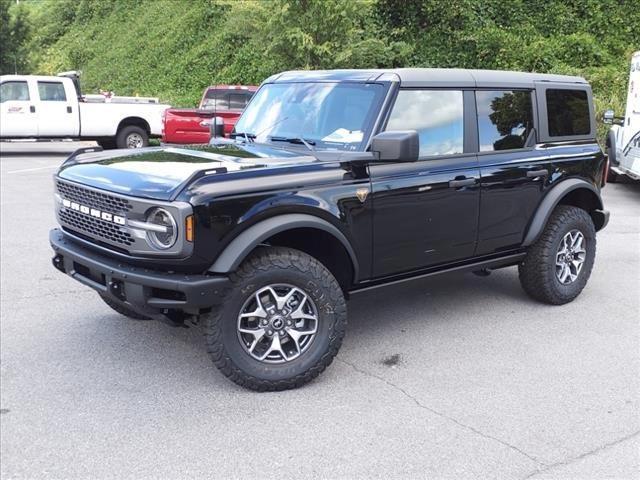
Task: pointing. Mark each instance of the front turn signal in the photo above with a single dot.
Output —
(189, 228)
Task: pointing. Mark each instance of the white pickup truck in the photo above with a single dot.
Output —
(50, 107)
(623, 140)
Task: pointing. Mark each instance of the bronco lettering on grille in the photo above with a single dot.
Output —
(107, 217)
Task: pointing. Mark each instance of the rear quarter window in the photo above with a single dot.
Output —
(568, 112)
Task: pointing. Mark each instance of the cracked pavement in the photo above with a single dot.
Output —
(454, 377)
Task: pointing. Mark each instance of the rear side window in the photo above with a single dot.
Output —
(14, 91)
(568, 112)
(437, 116)
(51, 92)
(505, 119)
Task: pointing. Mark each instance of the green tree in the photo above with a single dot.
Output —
(14, 34)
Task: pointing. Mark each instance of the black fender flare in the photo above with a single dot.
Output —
(234, 253)
(552, 199)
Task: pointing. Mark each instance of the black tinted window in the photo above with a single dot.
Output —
(505, 119)
(14, 91)
(51, 92)
(437, 116)
(568, 113)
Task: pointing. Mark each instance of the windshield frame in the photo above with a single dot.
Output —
(371, 124)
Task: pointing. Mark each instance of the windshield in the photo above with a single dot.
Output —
(326, 115)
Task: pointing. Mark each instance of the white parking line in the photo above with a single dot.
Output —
(33, 169)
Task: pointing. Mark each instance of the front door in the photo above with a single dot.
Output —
(18, 115)
(426, 212)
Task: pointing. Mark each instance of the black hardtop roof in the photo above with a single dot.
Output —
(428, 77)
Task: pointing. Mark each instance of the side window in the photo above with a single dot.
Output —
(505, 119)
(16, 91)
(51, 92)
(437, 116)
(568, 112)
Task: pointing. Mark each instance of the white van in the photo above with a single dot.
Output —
(50, 107)
(623, 140)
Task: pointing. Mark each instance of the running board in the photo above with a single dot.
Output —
(495, 263)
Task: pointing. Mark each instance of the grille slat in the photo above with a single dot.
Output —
(96, 227)
(92, 226)
(94, 199)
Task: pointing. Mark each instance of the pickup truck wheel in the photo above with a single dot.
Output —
(280, 325)
(132, 137)
(557, 267)
(123, 309)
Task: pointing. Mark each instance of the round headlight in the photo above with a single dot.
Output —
(166, 236)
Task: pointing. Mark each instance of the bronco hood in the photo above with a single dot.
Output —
(161, 172)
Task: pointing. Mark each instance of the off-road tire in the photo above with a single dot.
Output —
(124, 132)
(123, 309)
(266, 266)
(538, 270)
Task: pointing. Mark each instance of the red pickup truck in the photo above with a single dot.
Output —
(192, 125)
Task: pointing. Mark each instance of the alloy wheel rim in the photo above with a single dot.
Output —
(134, 140)
(570, 257)
(277, 323)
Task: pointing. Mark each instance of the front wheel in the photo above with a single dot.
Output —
(280, 325)
(558, 265)
(132, 136)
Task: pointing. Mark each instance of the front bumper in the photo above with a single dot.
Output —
(150, 292)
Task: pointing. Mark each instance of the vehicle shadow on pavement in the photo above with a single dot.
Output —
(416, 304)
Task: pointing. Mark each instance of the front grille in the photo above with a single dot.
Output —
(95, 226)
(91, 198)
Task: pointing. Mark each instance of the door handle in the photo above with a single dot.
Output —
(69, 109)
(537, 173)
(463, 182)
(32, 108)
(205, 123)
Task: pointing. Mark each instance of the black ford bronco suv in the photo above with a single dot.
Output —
(336, 182)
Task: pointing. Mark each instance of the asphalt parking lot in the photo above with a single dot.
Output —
(456, 377)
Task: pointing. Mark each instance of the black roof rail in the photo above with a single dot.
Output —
(72, 158)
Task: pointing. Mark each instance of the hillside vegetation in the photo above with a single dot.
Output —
(174, 48)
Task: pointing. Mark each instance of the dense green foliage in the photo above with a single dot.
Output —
(14, 34)
(174, 48)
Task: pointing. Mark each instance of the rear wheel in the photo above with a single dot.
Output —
(280, 325)
(132, 136)
(558, 265)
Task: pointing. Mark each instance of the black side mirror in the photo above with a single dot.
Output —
(396, 146)
(215, 125)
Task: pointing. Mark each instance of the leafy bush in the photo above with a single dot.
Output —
(173, 49)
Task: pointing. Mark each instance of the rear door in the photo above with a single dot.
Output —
(18, 114)
(57, 110)
(426, 212)
(514, 171)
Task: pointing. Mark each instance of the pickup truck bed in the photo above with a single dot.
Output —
(192, 125)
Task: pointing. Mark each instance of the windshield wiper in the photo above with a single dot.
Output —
(245, 135)
(296, 140)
